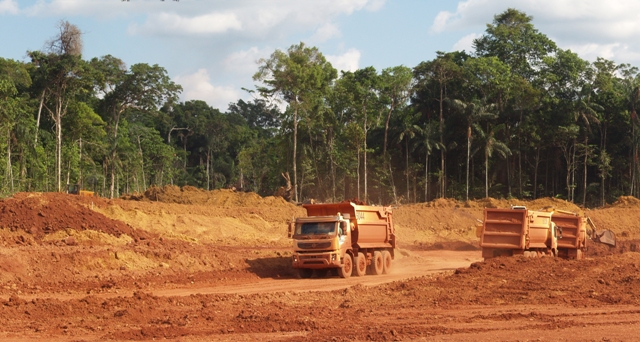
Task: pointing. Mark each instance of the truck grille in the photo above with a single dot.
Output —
(314, 245)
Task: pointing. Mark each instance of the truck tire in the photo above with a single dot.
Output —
(322, 273)
(386, 258)
(361, 265)
(347, 267)
(305, 273)
(377, 263)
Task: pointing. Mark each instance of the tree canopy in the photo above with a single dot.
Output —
(518, 116)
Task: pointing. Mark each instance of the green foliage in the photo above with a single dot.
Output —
(516, 117)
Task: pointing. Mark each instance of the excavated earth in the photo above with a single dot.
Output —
(191, 265)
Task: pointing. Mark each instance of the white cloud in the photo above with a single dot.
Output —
(349, 61)
(197, 86)
(324, 33)
(465, 43)
(9, 7)
(254, 18)
(375, 5)
(440, 22)
(170, 23)
(245, 62)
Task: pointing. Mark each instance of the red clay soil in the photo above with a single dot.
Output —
(40, 214)
(82, 269)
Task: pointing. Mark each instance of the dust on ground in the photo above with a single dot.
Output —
(95, 250)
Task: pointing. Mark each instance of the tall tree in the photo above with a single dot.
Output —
(489, 144)
(61, 68)
(429, 141)
(363, 85)
(295, 76)
(472, 112)
(13, 76)
(142, 88)
(438, 72)
(515, 41)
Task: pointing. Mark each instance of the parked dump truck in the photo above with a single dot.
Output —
(343, 237)
(74, 189)
(537, 233)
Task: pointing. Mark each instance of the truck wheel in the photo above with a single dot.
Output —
(361, 265)
(322, 273)
(386, 258)
(377, 264)
(305, 273)
(347, 267)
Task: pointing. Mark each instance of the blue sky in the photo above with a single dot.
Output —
(210, 46)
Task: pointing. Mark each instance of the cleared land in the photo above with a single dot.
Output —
(189, 265)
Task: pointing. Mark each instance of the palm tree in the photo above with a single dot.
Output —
(587, 113)
(408, 132)
(631, 86)
(430, 141)
(489, 144)
(473, 112)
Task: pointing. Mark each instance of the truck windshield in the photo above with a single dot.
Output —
(316, 228)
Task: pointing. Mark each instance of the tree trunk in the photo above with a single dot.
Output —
(408, 190)
(426, 178)
(468, 157)
(358, 174)
(442, 161)
(520, 158)
(144, 181)
(586, 159)
(9, 166)
(486, 175)
(208, 169)
(35, 141)
(58, 122)
(295, 150)
(366, 194)
(535, 174)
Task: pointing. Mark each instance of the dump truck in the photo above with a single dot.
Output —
(534, 233)
(74, 189)
(344, 238)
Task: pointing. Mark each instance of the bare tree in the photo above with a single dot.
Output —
(67, 42)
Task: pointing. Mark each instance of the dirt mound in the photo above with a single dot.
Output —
(443, 203)
(536, 204)
(447, 245)
(626, 202)
(193, 195)
(595, 249)
(41, 214)
(500, 203)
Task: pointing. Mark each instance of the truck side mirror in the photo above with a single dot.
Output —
(290, 231)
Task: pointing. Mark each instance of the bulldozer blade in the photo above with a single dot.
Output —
(606, 236)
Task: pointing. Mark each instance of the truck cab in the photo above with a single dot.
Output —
(320, 242)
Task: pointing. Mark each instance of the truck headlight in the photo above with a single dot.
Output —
(295, 258)
(333, 257)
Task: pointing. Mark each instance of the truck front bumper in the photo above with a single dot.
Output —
(316, 260)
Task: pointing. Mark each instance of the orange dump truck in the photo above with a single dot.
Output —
(532, 233)
(538, 232)
(344, 238)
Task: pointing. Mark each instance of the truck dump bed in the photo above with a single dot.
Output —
(504, 229)
(372, 225)
(573, 230)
